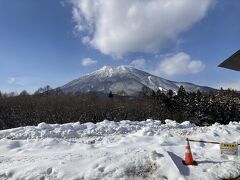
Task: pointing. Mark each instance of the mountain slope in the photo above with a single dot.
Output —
(124, 80)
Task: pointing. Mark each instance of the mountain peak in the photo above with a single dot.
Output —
(105, 68)
(109, 71)
(124, 80)
(114, 68)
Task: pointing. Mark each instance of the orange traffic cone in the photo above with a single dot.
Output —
(188, 155)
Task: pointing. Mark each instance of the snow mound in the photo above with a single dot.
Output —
(104, 128)
(116, 150)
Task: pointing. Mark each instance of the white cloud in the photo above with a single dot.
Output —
(117, 27)
(138, 63)
(11, 80)
(231, 85)
(63, 3)
(88, 62)
(20, 81)
(86, 39)
(178, 64)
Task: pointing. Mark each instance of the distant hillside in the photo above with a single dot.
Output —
(123, 80)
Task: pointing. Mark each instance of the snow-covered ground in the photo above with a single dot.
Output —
(116, 150)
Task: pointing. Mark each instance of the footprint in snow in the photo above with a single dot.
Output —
(49, 170)
(101, 169)
(155, 155)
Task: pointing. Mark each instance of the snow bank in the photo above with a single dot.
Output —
(104, 128)
(116, 150)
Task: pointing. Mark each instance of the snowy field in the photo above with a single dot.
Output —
(116, 150)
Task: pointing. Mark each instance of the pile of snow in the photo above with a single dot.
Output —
(102, 129)
(116, 150)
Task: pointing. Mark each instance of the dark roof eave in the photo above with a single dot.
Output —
(233, 62)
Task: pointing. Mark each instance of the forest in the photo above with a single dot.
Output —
(54, 106)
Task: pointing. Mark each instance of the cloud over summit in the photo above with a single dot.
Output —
(178, 64)
(88, 62)
(118, 27)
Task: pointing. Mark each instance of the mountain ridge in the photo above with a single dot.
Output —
(125, 80)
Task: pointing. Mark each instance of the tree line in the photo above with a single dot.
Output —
(54, 106)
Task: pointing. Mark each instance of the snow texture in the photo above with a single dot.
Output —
(116, 150)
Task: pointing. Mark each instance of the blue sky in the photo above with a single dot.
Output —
(52, 42)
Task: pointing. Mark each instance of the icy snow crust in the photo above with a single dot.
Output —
(116, 150)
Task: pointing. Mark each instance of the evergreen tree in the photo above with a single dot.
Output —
(153, 93)
(170, 94)
(110, 95)
(23, 93)
(181, 92)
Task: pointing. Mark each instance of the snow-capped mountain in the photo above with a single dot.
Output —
(124, 80)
